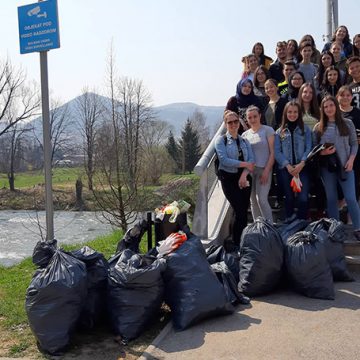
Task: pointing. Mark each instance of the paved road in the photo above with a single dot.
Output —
(279, 326)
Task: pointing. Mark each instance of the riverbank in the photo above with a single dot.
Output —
(16, 339)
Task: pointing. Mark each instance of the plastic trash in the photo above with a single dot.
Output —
(135, 293)
(43, 252)
(54, 300)
(332, 234)
(261, 258)
(287, 230)
(173, 209)
(192, 290)
(97, 274)
(132, 237)
(307, 267)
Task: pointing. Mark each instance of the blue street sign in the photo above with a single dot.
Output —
(38, 27)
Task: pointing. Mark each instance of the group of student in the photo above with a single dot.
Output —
(282, 110)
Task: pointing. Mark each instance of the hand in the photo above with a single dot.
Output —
(298, 168)
(328, 151)
(243, 181)
(264, 177)
(349, 165)
(290, 169)
(247, 165)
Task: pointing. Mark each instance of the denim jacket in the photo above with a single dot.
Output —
(228, 154)
(283, 146)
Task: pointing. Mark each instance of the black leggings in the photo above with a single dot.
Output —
(239, 200)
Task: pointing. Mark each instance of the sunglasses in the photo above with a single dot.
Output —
(233, 122)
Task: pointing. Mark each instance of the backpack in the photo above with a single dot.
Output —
(216, 161)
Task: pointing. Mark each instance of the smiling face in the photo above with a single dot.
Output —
(357, 41)
(335, 49)
(261, 77)
(281, 51)
(232, 123)
(344, 98)
(340, 33)
(252, 63)
(270, 89)
(292, 113)
(307, 94)
(246, 88)
(354, 70)
(329, 109)
(297, 81)
(258, 50)
(253, 118)
(326, 60)
(332, 77)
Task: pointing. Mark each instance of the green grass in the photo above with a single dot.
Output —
(61, 176)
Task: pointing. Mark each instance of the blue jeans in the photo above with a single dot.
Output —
(330, 179)
(301, 198)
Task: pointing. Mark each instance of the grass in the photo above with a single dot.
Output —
(16, 338)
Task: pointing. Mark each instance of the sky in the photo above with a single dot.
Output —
(182, 50)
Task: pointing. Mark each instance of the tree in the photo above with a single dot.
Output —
(90, 110)
(60, 134)
(189, 148)
(173, 150)
(18, 102)
(198, 123)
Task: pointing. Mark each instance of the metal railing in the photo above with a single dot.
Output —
(211, 210)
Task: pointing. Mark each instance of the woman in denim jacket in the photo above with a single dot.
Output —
(236, 161)
(293, 143)
(340, 135)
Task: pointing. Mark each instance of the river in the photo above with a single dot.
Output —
(19, 231)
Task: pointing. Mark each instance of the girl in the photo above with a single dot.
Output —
(292, 50)
(356, 46)
(340, 60)
(340, 135)
(258, 51)
(341, 35)
(251, 63)
(292, 146)
(309, 104)
(344, 97)
(296, 79)
(260, 76)
(261, 139)
(236, 161)
(326, 60)
(315, 57)
(331, 83)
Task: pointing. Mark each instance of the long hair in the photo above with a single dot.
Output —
(266, 72)
(346, 39)
(339, 120)
(285, 120)
(314, 105)
(325, 84)
(356, 51)
(320, 74)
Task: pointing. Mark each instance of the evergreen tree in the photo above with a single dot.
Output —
(172, 148)
(189, 148)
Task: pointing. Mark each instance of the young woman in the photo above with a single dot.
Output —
(340, 60)
(292, 146)
(315, 57)
(260, 76)
(340, 136)
(261, 139)
(296, 79)
(331, 83)
(309, 104)
(341, 36)
(326, 60)
(245, 97)
(344, 97)
(236, 161)
(251, 63)
(292, 50)
(356, 45)
(274, 109)
(258, 51)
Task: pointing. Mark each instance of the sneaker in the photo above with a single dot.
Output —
(243, 299)
(357, 235)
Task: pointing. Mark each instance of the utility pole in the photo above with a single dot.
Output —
(332, 18)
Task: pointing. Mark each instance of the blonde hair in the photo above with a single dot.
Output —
(228, 113)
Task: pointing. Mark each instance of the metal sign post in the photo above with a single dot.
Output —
(39, 32)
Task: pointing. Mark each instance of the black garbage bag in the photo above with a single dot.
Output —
(217, 253)
(192, 290)
(43, 252)
(132, 237)
(54, 300)
(307, 267)
(332, 233)
(228, 281)
(97, 274)
(287, 230)
(135, 293)
(261, 258)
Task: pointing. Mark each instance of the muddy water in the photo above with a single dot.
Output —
(19, 231)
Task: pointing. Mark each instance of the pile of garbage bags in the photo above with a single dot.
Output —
(78, 289)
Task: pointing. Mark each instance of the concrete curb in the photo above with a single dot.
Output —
(146, 355)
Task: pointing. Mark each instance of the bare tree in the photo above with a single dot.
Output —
(198, 123)
(90, 111)
(60, 122)
(118, 147)
(14, 94)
